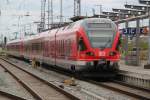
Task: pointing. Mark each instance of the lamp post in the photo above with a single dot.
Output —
(137, 42)
(61, 11)
(149, 34)
(100, 9)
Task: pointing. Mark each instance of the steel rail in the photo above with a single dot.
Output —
(11, 96)
(129, 93)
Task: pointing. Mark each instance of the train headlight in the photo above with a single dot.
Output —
(112, 53)
(90, 53)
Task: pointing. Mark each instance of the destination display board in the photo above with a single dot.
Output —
(133, 31)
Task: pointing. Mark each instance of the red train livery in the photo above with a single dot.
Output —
(87, 45)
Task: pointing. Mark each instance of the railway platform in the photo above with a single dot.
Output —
(134, 69)
(135, 75)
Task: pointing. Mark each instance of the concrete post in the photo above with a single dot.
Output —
(149, 38)
(147, 66)
(126, 43)
(137, 42)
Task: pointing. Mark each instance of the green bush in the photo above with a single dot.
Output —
(144, 45)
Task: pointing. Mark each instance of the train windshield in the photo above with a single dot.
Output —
(101, 35)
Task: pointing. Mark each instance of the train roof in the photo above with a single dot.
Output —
(36, 36)
(93, 20)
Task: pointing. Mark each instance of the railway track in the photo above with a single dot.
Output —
(39, 88)
(120, 87)
(132, 91)
(7, 96)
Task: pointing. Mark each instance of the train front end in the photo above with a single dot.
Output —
(98, 45)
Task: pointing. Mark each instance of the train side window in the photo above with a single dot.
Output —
(58, 46)
(63, 47)
(26, 49)
(62, 51)
(81, 45)
(67, 47)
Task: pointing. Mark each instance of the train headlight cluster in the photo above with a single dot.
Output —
(112, 53)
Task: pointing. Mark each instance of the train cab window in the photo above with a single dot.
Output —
(81, 45)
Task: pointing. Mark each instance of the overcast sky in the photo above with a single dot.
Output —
(12, 9)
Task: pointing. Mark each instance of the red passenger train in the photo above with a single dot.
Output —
(88, 45)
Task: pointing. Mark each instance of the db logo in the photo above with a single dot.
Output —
(102, 53)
